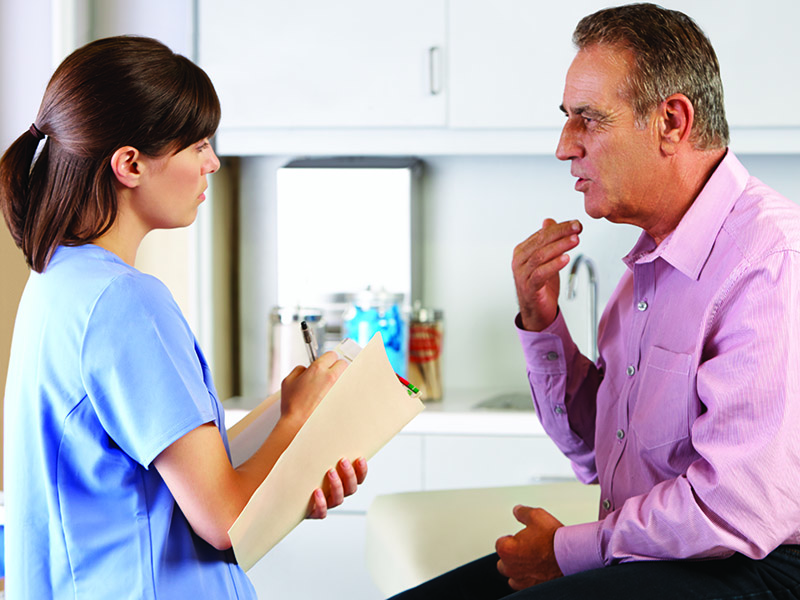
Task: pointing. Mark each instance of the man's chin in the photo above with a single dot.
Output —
(592, 209)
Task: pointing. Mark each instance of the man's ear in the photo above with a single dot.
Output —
(676, 118)
(125, 165)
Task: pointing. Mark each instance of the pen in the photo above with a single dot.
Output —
(309, 339)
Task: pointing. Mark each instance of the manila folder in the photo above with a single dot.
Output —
(363, 410)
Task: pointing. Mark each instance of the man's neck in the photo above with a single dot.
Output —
(691, 172)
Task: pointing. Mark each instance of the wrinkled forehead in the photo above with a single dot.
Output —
(598, 75)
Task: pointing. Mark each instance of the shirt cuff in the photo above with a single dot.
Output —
(544, 350)
(577, 548)
(556, 326)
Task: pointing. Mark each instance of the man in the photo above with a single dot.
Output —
(689, 419)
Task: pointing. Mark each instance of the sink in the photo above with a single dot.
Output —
(507, 401)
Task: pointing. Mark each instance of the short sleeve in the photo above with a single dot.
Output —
(141, 369)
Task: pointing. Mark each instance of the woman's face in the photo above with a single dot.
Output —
(174, 186)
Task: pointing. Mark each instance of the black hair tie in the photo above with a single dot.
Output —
(35, 132)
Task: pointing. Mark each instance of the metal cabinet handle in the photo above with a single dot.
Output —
(434, 70)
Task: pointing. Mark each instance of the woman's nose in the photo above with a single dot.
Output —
(212, 165)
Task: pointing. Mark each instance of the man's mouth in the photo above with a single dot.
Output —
(581, 184)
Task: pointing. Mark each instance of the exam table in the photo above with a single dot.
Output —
(414, 536)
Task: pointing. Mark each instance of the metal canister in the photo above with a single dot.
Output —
(287, 348)
(426, 332)
(373, 311)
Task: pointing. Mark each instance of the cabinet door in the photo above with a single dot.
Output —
(319, 559)
(316, 63)
(397, 467)
(508, 60)
(470, 461)
(757, 46)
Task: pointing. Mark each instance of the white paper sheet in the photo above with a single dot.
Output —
(247, 436)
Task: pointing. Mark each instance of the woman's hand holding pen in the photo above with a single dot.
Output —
(301, 392)
(304, 388)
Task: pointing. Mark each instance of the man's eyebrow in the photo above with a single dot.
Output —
(578, 110)
(584, 109)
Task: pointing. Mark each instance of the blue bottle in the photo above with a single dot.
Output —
(374, 311)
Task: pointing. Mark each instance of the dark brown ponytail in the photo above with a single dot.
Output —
(110, 93)
(15, 166)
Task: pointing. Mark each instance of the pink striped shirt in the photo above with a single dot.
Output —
(690, 420)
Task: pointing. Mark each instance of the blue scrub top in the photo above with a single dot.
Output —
(105, 373)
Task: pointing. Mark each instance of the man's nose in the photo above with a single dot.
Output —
(569, 145)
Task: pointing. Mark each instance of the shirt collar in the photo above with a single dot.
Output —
(688, 246)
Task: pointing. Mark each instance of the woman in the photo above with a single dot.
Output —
(118, 482)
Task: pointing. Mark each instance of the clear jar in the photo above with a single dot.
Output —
(287, 347)
(426, 333)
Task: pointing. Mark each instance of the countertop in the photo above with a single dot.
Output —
(460, 412)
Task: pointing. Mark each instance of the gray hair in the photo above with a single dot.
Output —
(671, 55)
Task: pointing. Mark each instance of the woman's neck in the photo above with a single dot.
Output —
(122, 239)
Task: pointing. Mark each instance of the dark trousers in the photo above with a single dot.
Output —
(736, 578)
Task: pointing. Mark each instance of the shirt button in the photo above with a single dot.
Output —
(551, 355)
(607, 504)
(642, 306)
(620, 434)
(630, 370)
(559, 410)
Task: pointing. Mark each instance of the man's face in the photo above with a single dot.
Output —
(614, 160)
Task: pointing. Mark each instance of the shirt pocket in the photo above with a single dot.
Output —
(661, 412)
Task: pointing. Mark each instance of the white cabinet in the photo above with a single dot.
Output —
(319, 559)
(507, 60)
(326, 559)
(464, 461)
(757, 46)
(318, 63)
(455, 76)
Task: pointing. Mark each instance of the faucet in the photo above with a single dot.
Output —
(585, 260)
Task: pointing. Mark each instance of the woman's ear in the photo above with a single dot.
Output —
(677, 120)
(125, 166)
